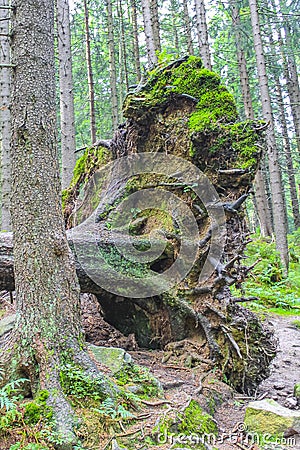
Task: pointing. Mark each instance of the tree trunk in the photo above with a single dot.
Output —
(155, 25)
(290, 68)
(112, 65)
(261, 203)
(187, 27)
(288, 156)
(292, 82)
(90, 74)
(279, 214)
(123, 54)
(202, 33)
(5, 72)
(136, 47)
(174, 11)
(67, 119)
(47, 294)
(149, 35)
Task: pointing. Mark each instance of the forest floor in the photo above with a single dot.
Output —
(181, 384)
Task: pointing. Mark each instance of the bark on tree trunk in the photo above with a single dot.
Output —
(155, 25)
(93, 130)
(47, 294)
(136, 47)
(202, 33)
(187, 26)
(112, 65)
(174, 11)
(123, 54)
(261, 203)
(292, 82)
(279, 213)
(149, 35)
(288, 156)
(67, 119)
(5, 73)
(290, 68)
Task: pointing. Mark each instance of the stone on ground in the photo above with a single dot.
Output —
(267, 416)
(114, 358)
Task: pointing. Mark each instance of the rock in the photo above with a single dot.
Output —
(267, 416)
(7, 324)
(112, 357)
(279, 386)
(291, 403)
(297, 393)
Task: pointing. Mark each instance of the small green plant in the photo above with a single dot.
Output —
(296, 323)
(10, 393)
(76, 383)
(109, 409)
(19, 446)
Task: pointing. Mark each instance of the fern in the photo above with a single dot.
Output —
(109, 409)
(8, 397)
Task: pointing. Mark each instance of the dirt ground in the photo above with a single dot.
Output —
(202, 383)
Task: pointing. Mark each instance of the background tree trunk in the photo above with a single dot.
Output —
(292, 82)
(112, 65)
(136, 48)
(288, 156)
(93, 130)
(149, 35)
(5, 74)
(187, 27)
(279, 214)
(67, 119)
(155, 25)
(261, 202)
(202, 33)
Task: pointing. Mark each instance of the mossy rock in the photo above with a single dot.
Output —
(112, 357)
(190, 428)
(139, 381)
(268, 416)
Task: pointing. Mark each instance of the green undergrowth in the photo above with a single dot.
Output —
(266, 281)
(27, 424)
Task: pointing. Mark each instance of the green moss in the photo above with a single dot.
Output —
(213, 125)
(117, 261)
(140, 378)
(38, 409)
(33, 413)
(214, 107)
(296, 324)
(192, 428)
(92, 159)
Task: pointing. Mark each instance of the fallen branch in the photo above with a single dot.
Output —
(243, 299)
